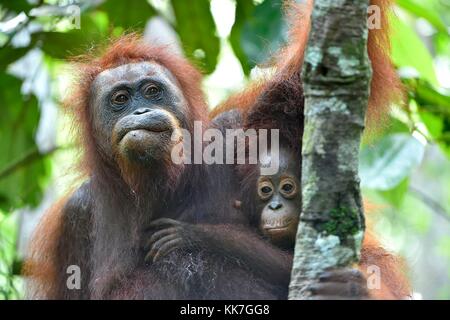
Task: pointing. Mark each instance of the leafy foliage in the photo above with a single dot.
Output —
(195, 25)
(62, 45)
(138, 12)
(386, 164)
(22, 177)
(258, 32)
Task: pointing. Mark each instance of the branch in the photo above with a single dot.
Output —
(433, 204)
(31, 156)
(336, 75)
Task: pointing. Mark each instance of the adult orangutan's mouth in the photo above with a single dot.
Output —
(157, 129)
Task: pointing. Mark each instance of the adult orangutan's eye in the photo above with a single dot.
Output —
(151, 90)
(120, 97)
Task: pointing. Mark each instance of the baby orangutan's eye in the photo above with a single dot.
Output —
(288, 188)
(265, 190)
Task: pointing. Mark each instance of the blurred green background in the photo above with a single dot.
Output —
(405, 168)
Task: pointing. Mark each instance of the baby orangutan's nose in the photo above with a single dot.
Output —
(275, 205)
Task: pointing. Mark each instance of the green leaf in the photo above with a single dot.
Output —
(130, 14)
(263, 32)
(61, 45)
(444, 246)
(408, 50)
(434, 124)
(430, 99)
(416, 214)
(434, 110)
(244, 10)
(385, 164)
(197, 31)
(16, 5)
(396, 195)
(442, 44)
(9, 54)
(24, 184)
(426, 10)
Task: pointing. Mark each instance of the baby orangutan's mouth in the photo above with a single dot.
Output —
(276, 229)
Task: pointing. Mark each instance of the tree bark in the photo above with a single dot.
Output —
(336, 74)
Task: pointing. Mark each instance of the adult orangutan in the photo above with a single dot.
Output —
(128, 103)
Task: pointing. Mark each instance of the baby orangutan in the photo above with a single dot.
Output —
(272, 208)
(279, 202)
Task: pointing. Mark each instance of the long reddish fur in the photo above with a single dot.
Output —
(386, 89)
(386, 86)
(42, 252)
(127, 49)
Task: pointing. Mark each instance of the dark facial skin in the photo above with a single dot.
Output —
(135, 108)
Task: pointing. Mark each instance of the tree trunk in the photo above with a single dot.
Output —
(336, 75)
